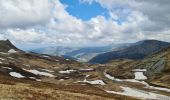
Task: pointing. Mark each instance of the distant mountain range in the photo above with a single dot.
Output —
(135, 51)
(82, 54)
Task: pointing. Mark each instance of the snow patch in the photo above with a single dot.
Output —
(156, 88)
(45, 56)
(90, 69)
(12, 51)
(47, 70)
(7, 68)
(140, 94)
(36, 72)
(111, 77)
(17, 75)
(140, 76)
(95, 82)
(26, 65)
(35, 79)
(137, 81)
(66, 71)
(139, 70)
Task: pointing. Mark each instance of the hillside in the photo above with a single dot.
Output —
(136, 51)
(158, 67)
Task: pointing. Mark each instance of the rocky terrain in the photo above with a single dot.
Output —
(31, 76)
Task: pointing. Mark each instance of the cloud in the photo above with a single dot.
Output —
(23, 13)
(43, 21)
(157, 11)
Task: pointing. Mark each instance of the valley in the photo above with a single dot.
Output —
(25, 75)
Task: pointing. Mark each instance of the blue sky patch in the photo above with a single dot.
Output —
(84, 11)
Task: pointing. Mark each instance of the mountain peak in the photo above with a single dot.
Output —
(6, 45)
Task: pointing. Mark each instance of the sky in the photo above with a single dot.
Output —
(38, 23)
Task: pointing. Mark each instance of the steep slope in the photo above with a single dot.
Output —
(6, 45)
(158, 67)
(137, 50)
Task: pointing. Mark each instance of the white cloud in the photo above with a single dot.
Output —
(128, 22)
(28, 35)
(22, 13)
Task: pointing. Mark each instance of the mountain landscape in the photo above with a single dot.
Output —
(136, 51)
(39, 76)
(82, 54)
(84, 50)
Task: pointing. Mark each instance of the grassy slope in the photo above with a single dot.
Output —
(20, 89)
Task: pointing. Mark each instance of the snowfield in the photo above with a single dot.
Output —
(17, 75)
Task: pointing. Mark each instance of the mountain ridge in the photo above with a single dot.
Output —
(136, 51)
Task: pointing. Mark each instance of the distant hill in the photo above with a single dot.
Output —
(82, 54)
(136, 51)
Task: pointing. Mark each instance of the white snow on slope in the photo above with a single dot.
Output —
(12, 51)
(140, 94)
(156, 88)
(45, 56)
(111, 77)
(36, 72)
(137, 81)
(140, 76)
(35, 79)
(7, 68)
(89, 69)
(66, 71)
(47, 70)
(95, 82)
(17, 75)
(139, 70)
